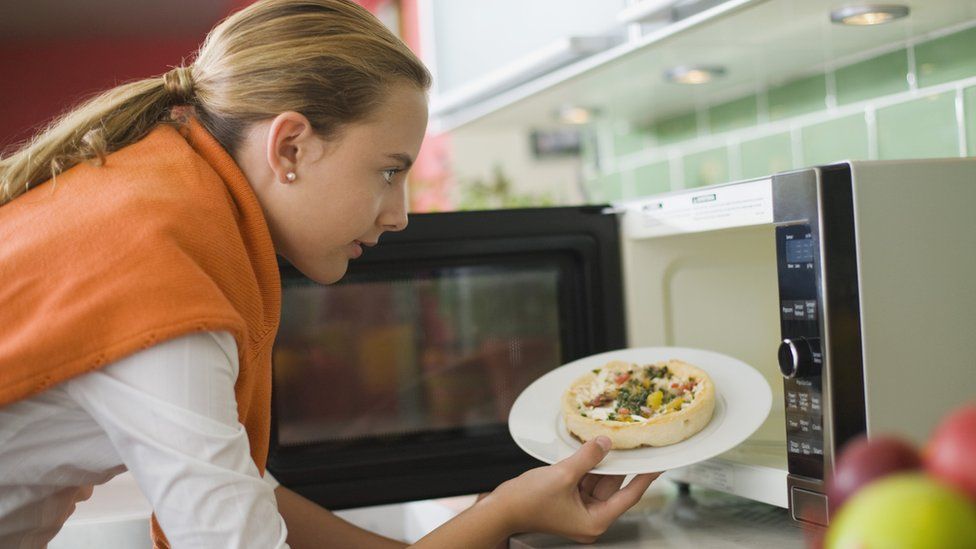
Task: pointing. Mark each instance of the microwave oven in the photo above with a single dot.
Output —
(850, 287)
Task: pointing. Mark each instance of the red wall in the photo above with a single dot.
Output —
(40, 79)
(43, 79)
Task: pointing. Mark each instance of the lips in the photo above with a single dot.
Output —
(356, 247)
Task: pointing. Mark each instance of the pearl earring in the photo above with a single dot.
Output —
(290, 176)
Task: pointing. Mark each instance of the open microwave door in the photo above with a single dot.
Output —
(700, 271)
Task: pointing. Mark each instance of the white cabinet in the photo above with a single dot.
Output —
(756, 44)
(479, 48)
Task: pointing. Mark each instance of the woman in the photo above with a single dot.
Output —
(140, 293)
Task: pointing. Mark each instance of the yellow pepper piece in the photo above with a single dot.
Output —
(654, 400)
(676, 404)
(646, 384)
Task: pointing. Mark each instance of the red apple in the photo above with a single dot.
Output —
(951, 451)
(863, 460)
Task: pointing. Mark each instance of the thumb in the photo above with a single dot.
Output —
(588, 456)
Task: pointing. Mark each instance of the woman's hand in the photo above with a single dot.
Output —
(565, 499)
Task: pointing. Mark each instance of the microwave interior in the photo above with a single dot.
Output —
(716, 290)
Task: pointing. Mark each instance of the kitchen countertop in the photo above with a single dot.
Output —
(118, 516)
(666, 518)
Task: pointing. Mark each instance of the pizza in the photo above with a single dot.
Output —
(650, 405)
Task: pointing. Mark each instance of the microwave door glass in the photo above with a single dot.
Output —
(437, 351)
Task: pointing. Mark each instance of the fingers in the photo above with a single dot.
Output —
(624, 499)
(586, 485)
(587, 457)
(607, 486)
(599, 487)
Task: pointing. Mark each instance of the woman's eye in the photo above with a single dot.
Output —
(390, 173)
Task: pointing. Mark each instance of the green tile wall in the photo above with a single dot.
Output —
(798, 97)
(921, 125)
(679, 128)
(734, 114)
(923, 128)
(838, 139)
(652, 178)
(628, 143)
(610, 187)
(875, 77)
(706, 167)
(766, 155)
(945, 59)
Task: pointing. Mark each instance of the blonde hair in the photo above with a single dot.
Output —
(330, 60)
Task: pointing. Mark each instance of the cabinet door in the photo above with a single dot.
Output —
(465, 40)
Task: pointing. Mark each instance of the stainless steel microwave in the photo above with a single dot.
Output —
(849, 287)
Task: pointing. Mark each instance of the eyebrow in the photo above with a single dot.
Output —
(404, 158)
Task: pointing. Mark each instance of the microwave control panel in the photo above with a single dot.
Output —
(800, 355)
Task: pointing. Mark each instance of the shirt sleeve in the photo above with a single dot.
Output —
(270, 480)
(171, 413)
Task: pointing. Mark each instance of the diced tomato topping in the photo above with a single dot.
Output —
(620, 378)
(674, 385)
(624, 411)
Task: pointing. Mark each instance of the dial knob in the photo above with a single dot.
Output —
(799, 357)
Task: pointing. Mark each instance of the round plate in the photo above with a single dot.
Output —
(742, 402)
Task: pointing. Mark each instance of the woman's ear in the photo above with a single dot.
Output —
(290, 139)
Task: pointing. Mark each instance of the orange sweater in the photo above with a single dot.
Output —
(164, 239)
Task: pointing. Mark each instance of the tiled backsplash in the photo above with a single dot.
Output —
(915, 100)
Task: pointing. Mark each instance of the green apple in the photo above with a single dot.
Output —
(904, 511)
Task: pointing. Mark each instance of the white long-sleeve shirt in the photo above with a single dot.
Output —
(167, 414)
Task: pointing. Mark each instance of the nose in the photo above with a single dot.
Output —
(394, 216)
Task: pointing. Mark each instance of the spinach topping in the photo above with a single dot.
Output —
(632, 398)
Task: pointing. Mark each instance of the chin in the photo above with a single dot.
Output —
(323, 272)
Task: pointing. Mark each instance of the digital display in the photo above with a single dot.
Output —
(799, 251)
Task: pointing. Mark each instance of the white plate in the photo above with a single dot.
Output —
(742, 402)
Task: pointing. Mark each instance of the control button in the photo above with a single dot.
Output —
(791, 400)
(815, 403)
(816, 427)
(794, 447)
(804, 402)
(808, 506)
(806, 448)
(811, 307)
(804, 425)
(796, 357)
(799, 311)
(786, 309)
(817, 448)
(792, 425)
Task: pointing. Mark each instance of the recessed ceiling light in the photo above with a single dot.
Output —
(694, 74)
(868, 14)
(574, 114)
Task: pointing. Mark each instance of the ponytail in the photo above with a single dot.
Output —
(103, 124)
(330, 60)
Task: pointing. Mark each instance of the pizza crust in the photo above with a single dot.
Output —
(661, 430)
